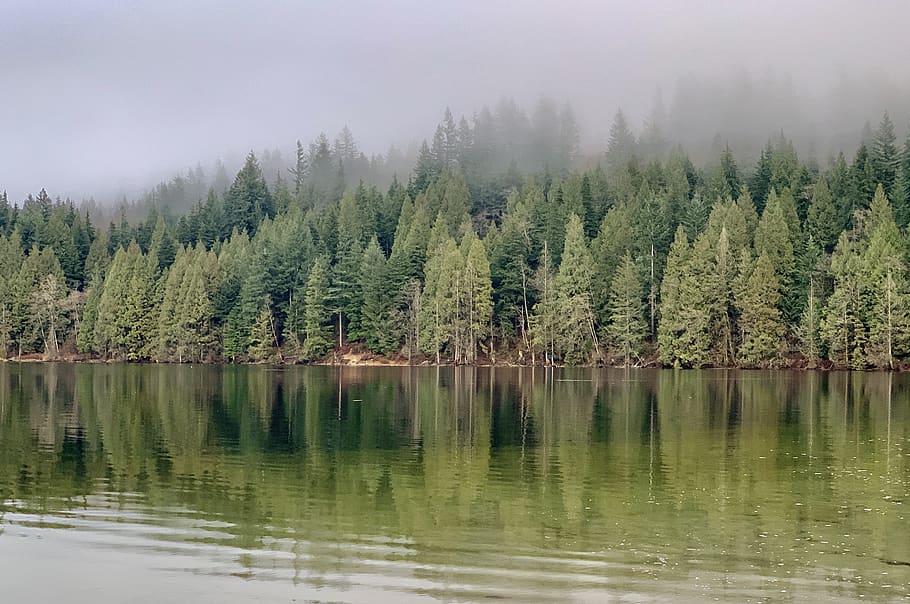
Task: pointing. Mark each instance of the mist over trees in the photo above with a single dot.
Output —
(502, 242)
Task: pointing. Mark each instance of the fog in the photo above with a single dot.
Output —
(105, 98)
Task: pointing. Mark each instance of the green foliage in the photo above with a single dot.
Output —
(842, 327)
(760, 317)
(376, 296)
(125, 324)
(822, 221)
(262, 335)
(627, 328)
(671, 325)
(318, 315)
(574, 299)
(248, 200)
(477, 256)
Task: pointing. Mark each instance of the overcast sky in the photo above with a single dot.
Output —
(105, 95)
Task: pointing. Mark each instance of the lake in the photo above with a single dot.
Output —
(126, 483)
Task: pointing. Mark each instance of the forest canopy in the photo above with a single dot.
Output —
(499, 244)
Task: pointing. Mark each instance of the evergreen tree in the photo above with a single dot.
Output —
(621, 144)
(772, 237)
(842, 327)
(760, 183)
(613, 241)
(455, 202)
(861, 181)
(375, 320)
(318, 315)
(545, 319)
(808, 330)
(125, 324)
(883, 155)
(262, 335)
(510, 271)
(248, 200)
(760, 317)
(699, 306)
(883, 285)
(438, 304)
(822, 222)
(477, 308)
(573, 296)
(12, 312)
(627, 328)
(901, 196)
(671, 324)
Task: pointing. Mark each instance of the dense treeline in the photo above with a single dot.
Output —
(641, 258)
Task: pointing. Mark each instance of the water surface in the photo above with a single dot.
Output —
(236, 484)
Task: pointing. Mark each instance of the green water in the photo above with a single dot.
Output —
(237, 484)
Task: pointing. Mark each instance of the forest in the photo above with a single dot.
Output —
(502, 245)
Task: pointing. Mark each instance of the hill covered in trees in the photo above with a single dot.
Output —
(501, 245)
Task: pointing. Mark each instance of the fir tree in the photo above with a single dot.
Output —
(822, 221)
(248, 199)
(374, 292)
(760, 317)
(671, 325)
(842, 327)
(318, 318)
(545, 318)
(627, 327)
(883, 155)
(808, 330)
(477, 309)
(573, 295)
(262, 335)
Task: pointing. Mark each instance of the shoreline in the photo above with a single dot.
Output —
(371, 360)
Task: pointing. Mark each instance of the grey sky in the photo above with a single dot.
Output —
(100, 95)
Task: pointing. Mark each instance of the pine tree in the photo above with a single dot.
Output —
(438, 304)
(545, 315)
(729, 173)
(760, 183)
(722, 299)
(510, 251)
(456, 202)
(695, 215)
(808, 330)
(883, 155)
(168, 324)
(614, 238)
(621, 144)
(262, 335)
(861, 181)
(760, 317)
(901, 196)
(750, 215)
(318, 317)
(374, 292)
(698, 306)
(125, 325)
(573, 296)
(627, 328)
(842, 327)
(352, 231)
(248, 200)
(822, 222)
(671, 326)
(12, 314)
(773, 237)
(883, 286)
(477, 309)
